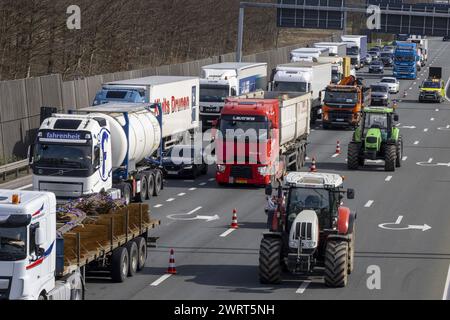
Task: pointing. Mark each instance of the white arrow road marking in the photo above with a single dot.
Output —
(430, 160)
(369, 204)
(389, 178)
(404, 158)
(446, 295)
(303, 287)
(206, 218)
(394, 226)
(432, 119)
(161, 280)
(226, 233)
(431, 164)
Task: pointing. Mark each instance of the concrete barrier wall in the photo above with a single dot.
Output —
(21, 100)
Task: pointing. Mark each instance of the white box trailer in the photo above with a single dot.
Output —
(179, 98)
(338, 49)
(356, 49)
(305, 77)
(308, 54)
(228, 79)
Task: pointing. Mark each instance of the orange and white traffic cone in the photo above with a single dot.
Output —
(234, 221)
(313, 166)
(338, 148)
(172, 268)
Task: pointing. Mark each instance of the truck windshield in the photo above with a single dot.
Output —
(353, 51)
(404, 58)
(63, 156)
(340, 97)
(13, 244)
(254, 130)
(291, 86)
(431, 84)
(211, 93)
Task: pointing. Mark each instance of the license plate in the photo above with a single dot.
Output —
(241, 181)
(172, 172)
(340, 120)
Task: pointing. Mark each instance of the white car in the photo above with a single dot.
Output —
(393, 84)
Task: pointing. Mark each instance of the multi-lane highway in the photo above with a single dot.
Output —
(403, 225)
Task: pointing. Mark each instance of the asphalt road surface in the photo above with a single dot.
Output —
(412, 251)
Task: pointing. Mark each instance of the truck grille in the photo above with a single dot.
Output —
(354, 61)
(372, 140)
(338, 116)
(241, 172)
(303, 231)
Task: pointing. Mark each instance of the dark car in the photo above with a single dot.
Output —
(387, 58)
(184, 161)
(380, 94)
(446, 38)
(376, 67)
(374, 52)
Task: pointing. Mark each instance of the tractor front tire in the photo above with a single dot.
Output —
(270, 267)
(353, 156)
(398, 161)
(390, 157)
(336, 264)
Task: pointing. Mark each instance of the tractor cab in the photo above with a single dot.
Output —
(382, 119)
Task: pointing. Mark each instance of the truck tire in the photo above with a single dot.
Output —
(398, 160)
(150, 185)
(133, 260)
(390, 157)
(270, 269)
(158, 183)
(353, 156)
(119, 264)
(143, 194)
(336, 264)
(142, 252)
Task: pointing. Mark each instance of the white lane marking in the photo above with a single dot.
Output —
(430, 160)
(202, 184)
(226, 233)
(192, 189)
(181, 194)
(303, 287)
(415, 83)
(416, 142)
(437, 110)
(446, 295)
(369, 204)
(335, 155)
(399, 220)
(432, 119)
(389, 178)
(212, 179)
(404, 158)
(161, 280)
(425, 130)
(410, 88)
(158, 206)
(447, 127)
(170, 200)
(25, 187)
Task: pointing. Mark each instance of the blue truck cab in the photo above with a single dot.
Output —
(405, 60)
(119, 94)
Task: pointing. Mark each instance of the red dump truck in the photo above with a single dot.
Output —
(262, 135)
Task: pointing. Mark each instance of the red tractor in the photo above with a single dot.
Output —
(310, 230)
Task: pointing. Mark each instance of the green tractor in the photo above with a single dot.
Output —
(376, 138)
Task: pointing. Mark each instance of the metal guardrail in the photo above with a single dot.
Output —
(15, 167)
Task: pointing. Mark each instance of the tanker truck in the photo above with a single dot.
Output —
(115, 148)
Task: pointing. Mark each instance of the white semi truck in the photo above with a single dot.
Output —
(356, 49)
(305, 77)
(336, 49)
(308, 54)
(229, 79)
(43, 257)
(114, 147)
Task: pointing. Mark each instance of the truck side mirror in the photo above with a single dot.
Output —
(396, 117)
(96, 157)
(269, 190)
(214, 123)
(40, 237)
(30, 154)
(350, 194)
(233, 92)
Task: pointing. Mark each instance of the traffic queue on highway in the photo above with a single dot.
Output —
(251, 130)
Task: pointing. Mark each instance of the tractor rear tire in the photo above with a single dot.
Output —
(336, 264)
(353, 156)
(398, 161)
(390, 157)
(270, 267)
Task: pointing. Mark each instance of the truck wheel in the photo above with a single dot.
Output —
(133, 255)
(270, 268)
(143, 194)
(142, 252)
(353, 156)
(150, 185)
(336, 264)
(390, 157)
(398, 160)
(158, 183)
(119, 264)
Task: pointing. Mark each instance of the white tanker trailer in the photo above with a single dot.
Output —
(114, 148)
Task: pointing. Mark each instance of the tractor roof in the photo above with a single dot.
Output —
(314, 180)
(378, 110)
